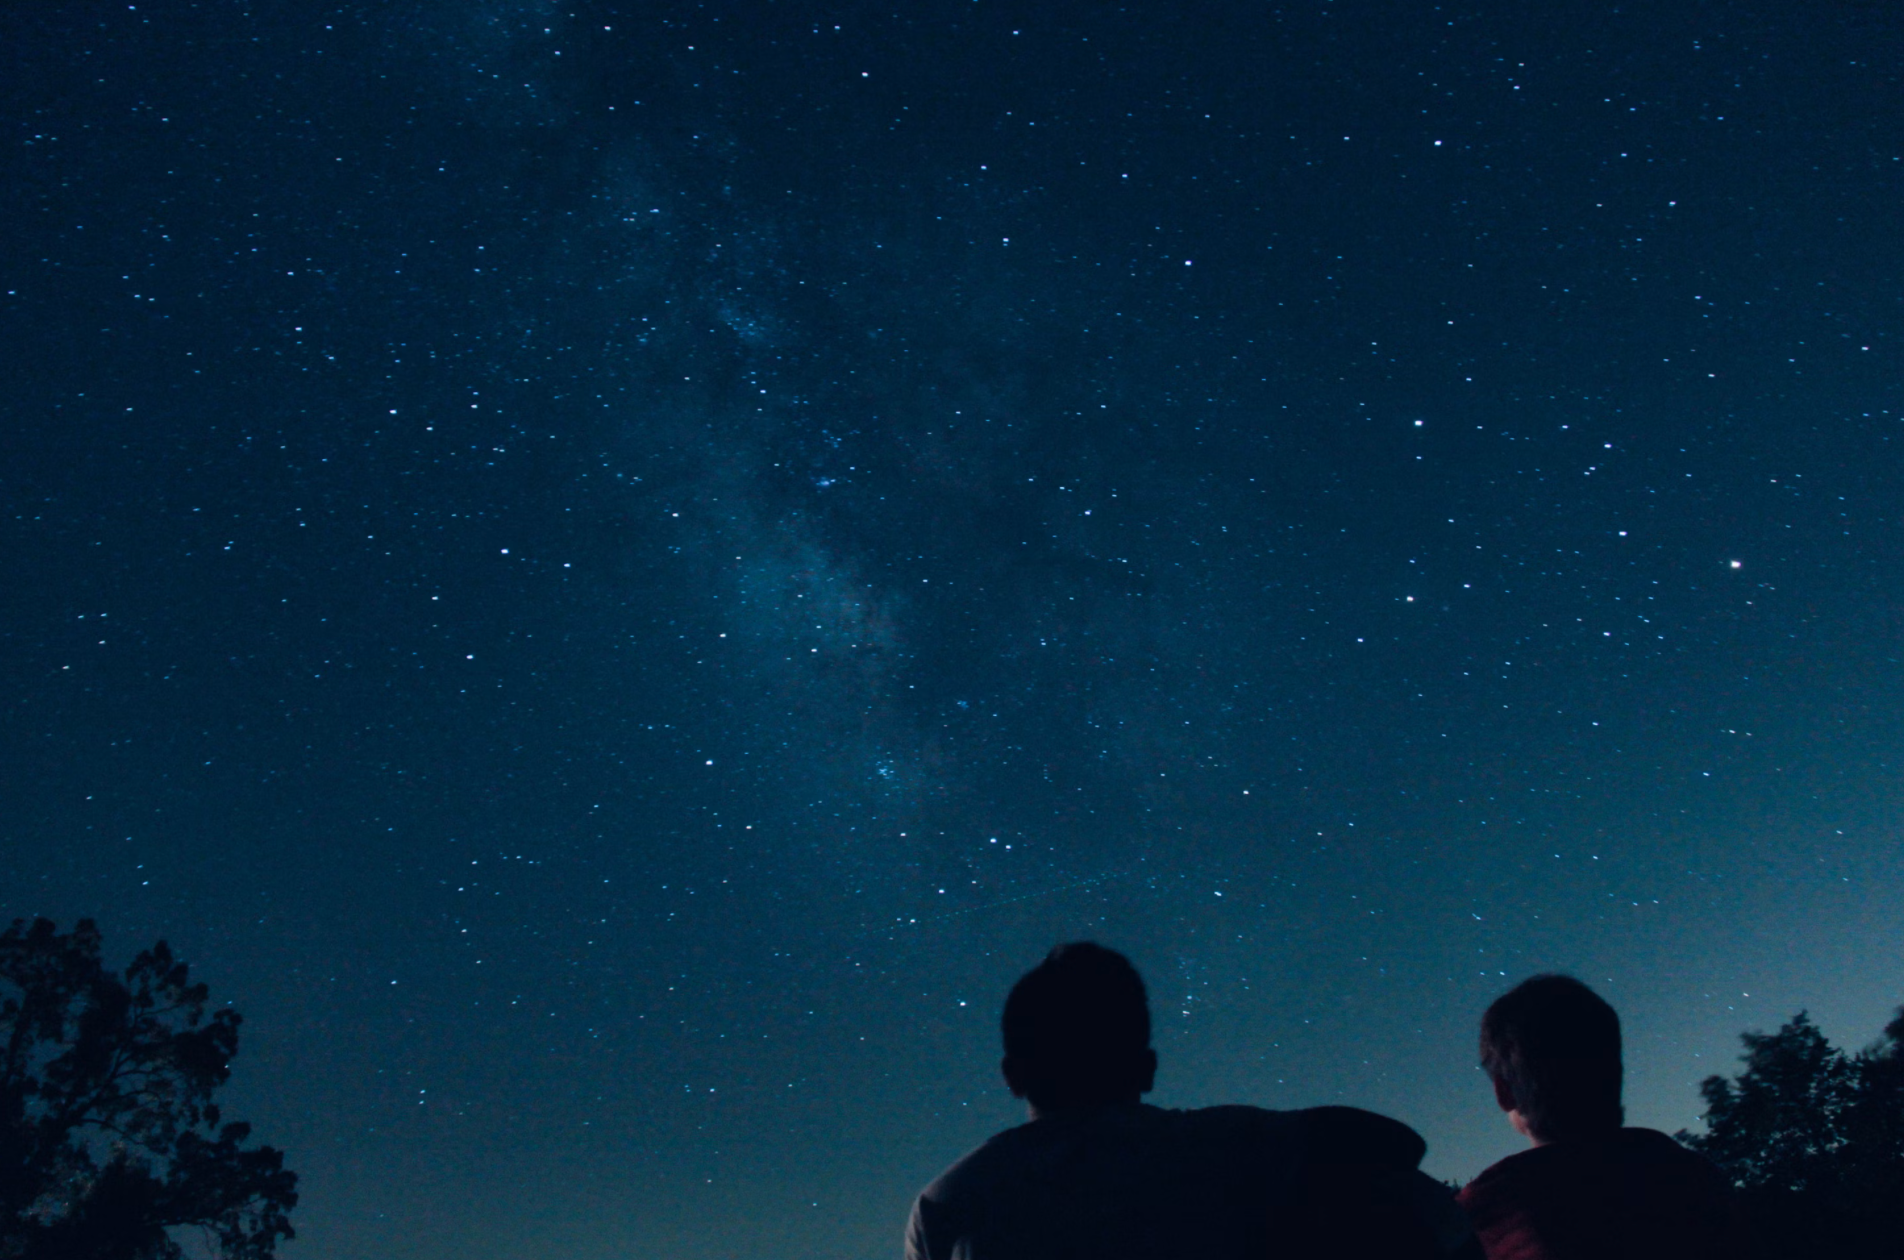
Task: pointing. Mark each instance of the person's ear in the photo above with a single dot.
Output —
(1503, 1095)
(1149, 1073)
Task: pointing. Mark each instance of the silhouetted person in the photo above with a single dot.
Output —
(1590, 1189)
(1099, 1175)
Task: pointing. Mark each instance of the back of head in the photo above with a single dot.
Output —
(1553, 1045)
(1077, 1030)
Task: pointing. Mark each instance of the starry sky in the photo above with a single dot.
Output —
(612, 573)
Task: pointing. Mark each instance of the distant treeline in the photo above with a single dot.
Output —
(1814, 1140)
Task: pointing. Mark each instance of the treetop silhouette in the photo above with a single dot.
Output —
(1813, 1138)
(109, 1138)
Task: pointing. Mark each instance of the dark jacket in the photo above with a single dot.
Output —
(1132, 1182)
(1633, 1195)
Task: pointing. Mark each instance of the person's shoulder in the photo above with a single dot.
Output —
(985, 1164)
(1652, 1144)
(999, 1168)
(1563, 1163)
(1496, 1200)
(1504, 1177)
(1651, 1147)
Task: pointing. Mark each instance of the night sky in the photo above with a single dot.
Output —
(611, 574)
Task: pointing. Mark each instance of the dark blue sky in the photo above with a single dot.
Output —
(610, 574)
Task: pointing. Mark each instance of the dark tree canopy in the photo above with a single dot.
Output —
(1780, 1123)
(1875, 1126)
(1814, 1139)
(109, 1138)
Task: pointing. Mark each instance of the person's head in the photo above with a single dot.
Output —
(1551, 1046)
(1077, 1031)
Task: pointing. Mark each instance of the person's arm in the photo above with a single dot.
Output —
(1344, 1135)
(927, 1235)
(1435, 1206)
(1360, 1197)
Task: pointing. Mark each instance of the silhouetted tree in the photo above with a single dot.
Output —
(1874, 1142)
(1779, 1123)
(1814, 1139)
(109, 1138)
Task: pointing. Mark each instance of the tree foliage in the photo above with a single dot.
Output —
(1814, 1139)
(109, 1138)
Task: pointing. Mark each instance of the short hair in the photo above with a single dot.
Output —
(1554, 1045)
(1078, 1027)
